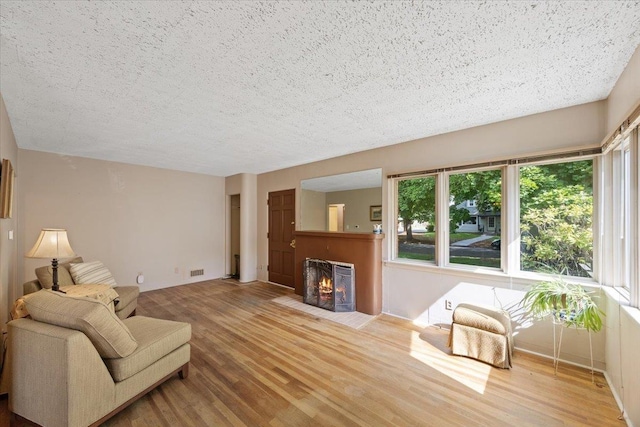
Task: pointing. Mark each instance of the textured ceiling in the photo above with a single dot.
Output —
(228, 87)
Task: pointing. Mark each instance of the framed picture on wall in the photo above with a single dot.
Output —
(375, 213)
(6, 189)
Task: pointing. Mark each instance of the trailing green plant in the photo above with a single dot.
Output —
(569, 304)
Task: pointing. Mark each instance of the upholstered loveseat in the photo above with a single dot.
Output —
(75, 363)
(127, 295)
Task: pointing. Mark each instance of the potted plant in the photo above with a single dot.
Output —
(569, 305)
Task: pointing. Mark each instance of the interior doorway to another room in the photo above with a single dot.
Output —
(336, 217)
(234, 247)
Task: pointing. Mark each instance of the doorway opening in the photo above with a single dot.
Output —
(336, 217)
(234, 247)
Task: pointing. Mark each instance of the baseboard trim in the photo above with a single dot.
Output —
(618, 400)
(568, 362)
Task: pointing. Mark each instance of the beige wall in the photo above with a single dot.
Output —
(245, 185)
(313, 210)
(625, 95)
(419, 292)
(556, 131)
(356, 207)
(8, 248)
(248, 226)
(135, 219)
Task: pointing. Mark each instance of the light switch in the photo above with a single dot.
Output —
(10, 234)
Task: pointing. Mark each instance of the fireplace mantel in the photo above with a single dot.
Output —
(363, 250)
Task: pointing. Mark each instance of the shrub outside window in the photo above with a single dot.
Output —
(556, 216)
(555, 223)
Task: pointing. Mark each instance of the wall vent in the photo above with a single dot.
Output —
(197, 272)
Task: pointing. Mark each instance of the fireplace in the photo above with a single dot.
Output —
(329, 285)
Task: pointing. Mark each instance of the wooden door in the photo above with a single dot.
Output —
(282, 209)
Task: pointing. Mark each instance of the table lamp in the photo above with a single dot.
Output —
(52, 244)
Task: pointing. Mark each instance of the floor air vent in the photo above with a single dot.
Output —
(197, 272)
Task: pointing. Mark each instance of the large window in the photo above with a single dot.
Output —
(474, 218)
(532, 215)
(417, 218)
(556, 211)
(468, 209)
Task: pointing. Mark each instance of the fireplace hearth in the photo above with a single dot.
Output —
(329, 285)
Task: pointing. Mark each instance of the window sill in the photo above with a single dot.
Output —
(524, 278)
(618, 295)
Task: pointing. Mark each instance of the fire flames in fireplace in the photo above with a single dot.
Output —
(329, 285)
(325, 286)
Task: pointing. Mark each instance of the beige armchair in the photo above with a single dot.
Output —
(127, 295)
(75, 363)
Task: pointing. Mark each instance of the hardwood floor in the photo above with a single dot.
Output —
(258, 363)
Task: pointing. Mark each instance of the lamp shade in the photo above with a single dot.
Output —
(52, 243)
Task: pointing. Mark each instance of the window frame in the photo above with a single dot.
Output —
(625, 217)
(509, 219)
(394, 210)
(445, 254)
(594, 215)
(624, 269)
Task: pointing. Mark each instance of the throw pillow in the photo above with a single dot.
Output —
(98, 322)
(91, 273)
(45, 274)
(75, 260)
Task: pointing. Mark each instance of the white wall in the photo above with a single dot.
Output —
(135, 219)
(622, 326)
(419, 292)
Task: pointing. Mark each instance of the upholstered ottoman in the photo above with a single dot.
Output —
(482, 333)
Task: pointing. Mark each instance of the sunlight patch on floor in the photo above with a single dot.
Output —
(468, 372)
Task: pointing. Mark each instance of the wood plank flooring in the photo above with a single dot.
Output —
(258, 363)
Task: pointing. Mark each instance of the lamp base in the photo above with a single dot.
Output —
(54, 267)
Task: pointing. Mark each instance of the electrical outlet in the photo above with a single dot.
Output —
(447, 304)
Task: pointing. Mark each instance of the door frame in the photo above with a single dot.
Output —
(287, 229)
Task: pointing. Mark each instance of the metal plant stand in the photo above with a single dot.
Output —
(557, 345)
